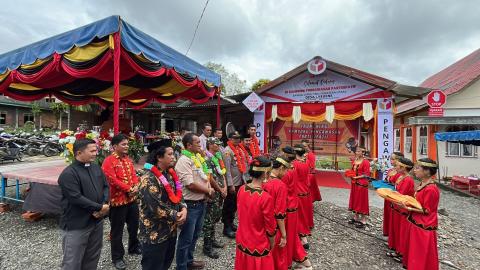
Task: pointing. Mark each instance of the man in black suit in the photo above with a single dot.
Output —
(85, 204)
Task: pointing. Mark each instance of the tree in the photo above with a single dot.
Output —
(35, 110)
(58, 108)
(259, 83)
(232, 85)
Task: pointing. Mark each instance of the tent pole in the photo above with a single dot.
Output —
(218, 108)
(116, 82)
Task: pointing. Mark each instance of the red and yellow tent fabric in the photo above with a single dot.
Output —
(108, 61)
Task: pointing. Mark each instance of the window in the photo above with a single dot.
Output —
(461, 150)
(397, 140)
(50, 100)
(423, 146)
(408, 140)
(3, 118)
(27, 117)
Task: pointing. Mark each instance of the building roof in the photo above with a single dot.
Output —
(452, 79)
(6, 101)
(401, 92)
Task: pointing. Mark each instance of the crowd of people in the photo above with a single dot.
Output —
(265, 202)
(411, 232)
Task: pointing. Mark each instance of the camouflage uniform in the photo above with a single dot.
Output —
(214, 207)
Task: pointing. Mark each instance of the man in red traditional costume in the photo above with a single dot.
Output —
(390, 178)
(236, 165)
(311, 160)
(123, 182)
(302, 187)
(255, 144)
(295, 250)
(358, 202)
(421, 247)
(256, 221)
(398, 227)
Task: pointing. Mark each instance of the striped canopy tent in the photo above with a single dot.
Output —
(105, 62)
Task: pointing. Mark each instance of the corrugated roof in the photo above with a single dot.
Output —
(451, 79)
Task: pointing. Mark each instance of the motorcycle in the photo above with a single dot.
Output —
(9, 150)
(52, 148)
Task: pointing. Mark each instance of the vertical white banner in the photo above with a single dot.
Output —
(385, 129)
(259, 122)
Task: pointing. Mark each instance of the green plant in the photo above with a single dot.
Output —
(135, 149)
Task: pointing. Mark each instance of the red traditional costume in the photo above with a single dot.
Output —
(121, 177)
(256, 223)
(295, 250)
(254, 147)
(314, 189)
(278, 190)
(391, 177)
(305, 206)
(398, 230)
(358, 202)
(422, 252)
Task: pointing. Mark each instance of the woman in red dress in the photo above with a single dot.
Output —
(391, 177)
(399, 225)
(302, 186)
(311, 160)
(422, 251)
(256, 222)
(358, 202)
(295, 250)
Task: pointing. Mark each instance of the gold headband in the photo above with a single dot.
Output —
(395, 157)
(298, 149)
(261, 169)
(289, 154)
(286, 164)
(404, 165)
(427, 164)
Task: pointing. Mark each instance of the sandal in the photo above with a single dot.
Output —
(398, 259)
(392, 254)
(352, 221)
(360, 225)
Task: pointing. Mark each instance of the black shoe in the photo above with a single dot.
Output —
(211, 253)
(136, 251)
(306, 246)
(352, 221)
(234, 227)
(360, 225)
(217, 244)
(120, 264)
(228, 232)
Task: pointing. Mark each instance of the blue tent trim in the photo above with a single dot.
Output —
(464, 137)
(132, 39)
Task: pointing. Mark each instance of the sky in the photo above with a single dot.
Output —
(405, 41)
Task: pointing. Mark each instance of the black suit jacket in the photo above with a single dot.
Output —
(84, 190)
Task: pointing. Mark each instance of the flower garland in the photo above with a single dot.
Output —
(199, 162)
(218, 162)
(174, 198)
(241, 159)
(245, 152)
(254, 147)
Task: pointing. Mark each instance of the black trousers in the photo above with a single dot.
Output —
(158, 256)
(119, 215)
(230, 208)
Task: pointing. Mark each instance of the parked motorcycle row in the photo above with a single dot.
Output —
(13, 147)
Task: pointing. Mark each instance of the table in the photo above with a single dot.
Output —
(467, 183)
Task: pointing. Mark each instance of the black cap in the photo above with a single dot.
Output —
(155, 145)
(234, 135)
(288, 150)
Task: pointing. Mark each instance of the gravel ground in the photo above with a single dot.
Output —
(334, 245)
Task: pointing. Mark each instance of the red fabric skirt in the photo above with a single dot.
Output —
(421, 247)
(394, 230)
(279, 254)
(295, 250)
(353, 188)
(359, 204)
(314, 188)
(244, 261)
(403, 235)
(387, 215)
(305, 215)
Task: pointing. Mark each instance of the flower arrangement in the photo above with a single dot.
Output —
(103, 140)
(379, 165)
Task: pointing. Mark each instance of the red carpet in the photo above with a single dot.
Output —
(331, 179)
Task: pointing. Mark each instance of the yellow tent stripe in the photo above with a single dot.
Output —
(171, 86)
(124, 91)
(4, 75)
(35, 64)
(321, 117)
(87, 52)
(22, 86)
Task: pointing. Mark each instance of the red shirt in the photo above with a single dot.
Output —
(362, 169)
(428, 197)
(121, 177)
(311, 160)
(289, 181)
(278, 190)
(302, 185)
(256, 221)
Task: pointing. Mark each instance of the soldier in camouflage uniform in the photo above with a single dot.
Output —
(215, 204)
